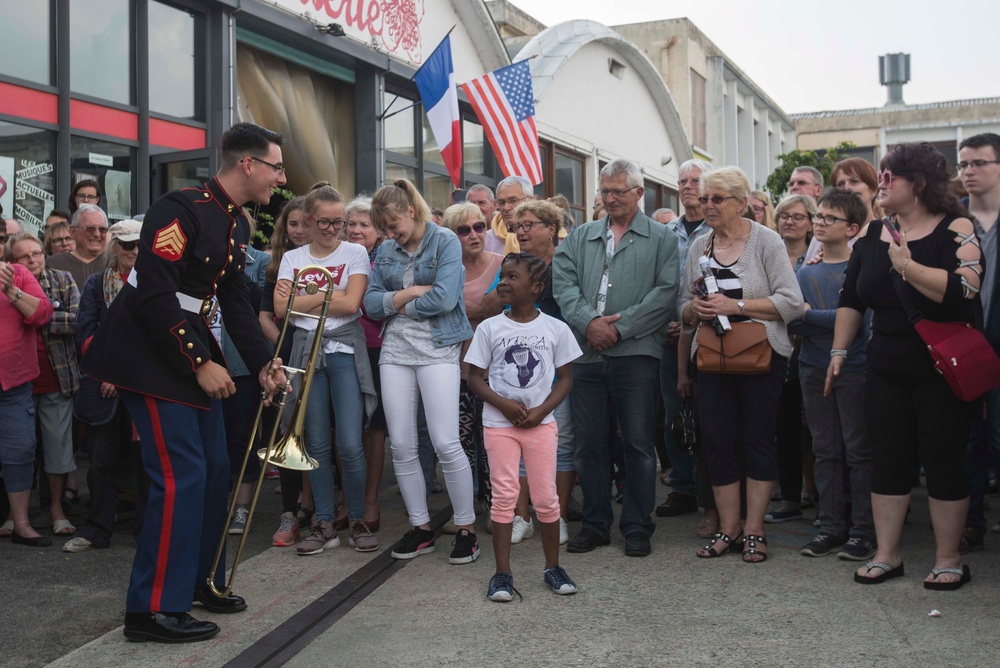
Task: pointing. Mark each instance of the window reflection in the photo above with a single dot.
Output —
(398, 130)
(101, 49)
(176, 60)
(26, 35)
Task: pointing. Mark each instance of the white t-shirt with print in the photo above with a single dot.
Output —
(347, 260)
(522, 358)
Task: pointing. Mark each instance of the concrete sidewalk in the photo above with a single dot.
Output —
(668, 609)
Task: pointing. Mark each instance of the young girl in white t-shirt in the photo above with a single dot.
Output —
(522, 348)
(339, 384)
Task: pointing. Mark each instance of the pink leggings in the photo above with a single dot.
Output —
(506, 446)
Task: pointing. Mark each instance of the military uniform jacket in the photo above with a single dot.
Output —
(191, 243)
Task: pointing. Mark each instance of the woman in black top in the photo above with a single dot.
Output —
(910, 410)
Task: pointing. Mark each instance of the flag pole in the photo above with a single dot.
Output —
(396, 97)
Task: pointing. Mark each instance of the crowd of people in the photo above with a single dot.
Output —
(751, 352)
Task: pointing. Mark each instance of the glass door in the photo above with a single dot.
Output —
(184, 169)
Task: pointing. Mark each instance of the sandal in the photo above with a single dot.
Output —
(71, 495)
(732, 545)
(63, 527)
(889, 573)
(964, 573)
(7, 529)
(707, 527)
(750, 549)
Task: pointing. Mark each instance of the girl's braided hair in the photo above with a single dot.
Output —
(537, 269)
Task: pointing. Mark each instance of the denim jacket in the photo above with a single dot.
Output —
(255, 267)
(437, 262)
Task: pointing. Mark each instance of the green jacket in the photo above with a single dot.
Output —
(643, 280)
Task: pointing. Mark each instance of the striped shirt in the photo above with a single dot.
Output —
(729, 283)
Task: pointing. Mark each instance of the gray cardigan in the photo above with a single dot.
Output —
(764, 271)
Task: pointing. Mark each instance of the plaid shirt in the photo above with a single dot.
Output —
(60, 287)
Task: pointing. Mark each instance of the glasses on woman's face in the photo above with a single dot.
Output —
(128, 245)
(61, 241)
(34, 255)
(88, 199)
(759, 210)
(715, 199)
(465, 230)
(337, 223)
(525, 226)
(885, 178)
(797, 218)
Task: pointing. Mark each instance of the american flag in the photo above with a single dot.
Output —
(505, 104)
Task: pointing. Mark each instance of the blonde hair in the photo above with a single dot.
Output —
(322, 193)
(391, 201)
(732, 180)
(459, 214)
(805, 200)
(15, 239)
(768, 208)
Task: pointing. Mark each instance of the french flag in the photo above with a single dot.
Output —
(436, 83)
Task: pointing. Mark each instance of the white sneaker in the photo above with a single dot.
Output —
(563, 532)
(521, 529)
(77, 545)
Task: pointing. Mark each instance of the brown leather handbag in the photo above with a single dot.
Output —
(742, 351)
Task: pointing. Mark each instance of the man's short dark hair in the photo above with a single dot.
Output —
(981, 140)
(247, 139)
(848, 202)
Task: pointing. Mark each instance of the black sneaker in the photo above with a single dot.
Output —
(414, 543)
(558, 581)
(822, 545)
(466, 548)
(677, 504)
(586, 541)
(637, 544)
(857, 549)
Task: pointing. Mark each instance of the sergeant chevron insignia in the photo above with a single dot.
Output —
(170, 242)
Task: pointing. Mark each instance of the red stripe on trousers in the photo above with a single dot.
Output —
(168, 505)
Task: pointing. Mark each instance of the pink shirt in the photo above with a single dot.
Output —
(18, 345)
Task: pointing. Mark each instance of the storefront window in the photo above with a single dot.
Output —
(437, 190)
(112, 166)
(473, 147)
(26, 35)
(431, 151)
(27, 174)
(569, 183)
(176, 62)
(398, 130)
(101, 50)
(394, 171)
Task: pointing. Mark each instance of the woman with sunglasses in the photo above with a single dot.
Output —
(342, 384)
(481, 302)
(738, 413)
(935, 267)
(59, 378)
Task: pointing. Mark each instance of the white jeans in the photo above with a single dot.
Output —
(402, 387)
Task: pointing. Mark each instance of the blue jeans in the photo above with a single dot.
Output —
(682, 462)
(336, 388)
(17, 437)
(629, 383)
(982, 453)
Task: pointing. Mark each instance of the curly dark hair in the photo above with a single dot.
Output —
(924, 166)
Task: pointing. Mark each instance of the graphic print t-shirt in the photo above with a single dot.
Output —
(522, 358)
(346, 261)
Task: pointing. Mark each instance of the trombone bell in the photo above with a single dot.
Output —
(289, 453)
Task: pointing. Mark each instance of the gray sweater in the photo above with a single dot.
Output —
(764, 271)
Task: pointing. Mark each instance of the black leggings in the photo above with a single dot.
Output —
(915, 416)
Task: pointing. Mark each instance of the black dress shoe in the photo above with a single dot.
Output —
(586, 541)
(37, 541)
(231, 603)
(637, 545)
(574, 515)
(677, 504)
(168, 627)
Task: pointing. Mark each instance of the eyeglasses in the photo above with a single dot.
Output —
(978, 164)
(526, 226)
(465, 230)
(278, 169)
(828, 220)
(80, 197)
(715, 199)
(128, 245)
(337, 224)
(61, 240)
(885, 178)
(759, 210)
(797, 218)
(512, 201)
(683, 182)
(95, 230)
(34, 255)
(800, 182)
(611, 192)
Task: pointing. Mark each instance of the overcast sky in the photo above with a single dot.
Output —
(816, 56)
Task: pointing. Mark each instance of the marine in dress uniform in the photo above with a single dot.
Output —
(157, 348)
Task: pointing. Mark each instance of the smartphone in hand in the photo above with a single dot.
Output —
(893, 230)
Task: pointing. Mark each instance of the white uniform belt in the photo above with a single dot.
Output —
(186, 302)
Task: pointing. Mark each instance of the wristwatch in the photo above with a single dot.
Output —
(742, 304)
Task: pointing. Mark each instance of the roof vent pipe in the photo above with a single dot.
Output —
(893, 72)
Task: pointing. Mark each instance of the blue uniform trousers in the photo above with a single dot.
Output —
(184, 455)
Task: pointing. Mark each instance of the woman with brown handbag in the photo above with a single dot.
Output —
(740, 371)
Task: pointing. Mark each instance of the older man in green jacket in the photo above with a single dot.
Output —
(616, 282)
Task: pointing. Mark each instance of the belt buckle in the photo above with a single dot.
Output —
(206, 306)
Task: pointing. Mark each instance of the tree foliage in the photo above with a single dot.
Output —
(777, 183)
(266, 215)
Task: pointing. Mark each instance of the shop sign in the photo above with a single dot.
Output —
(392, 25)
(101, 159)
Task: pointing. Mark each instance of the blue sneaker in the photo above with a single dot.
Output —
(559, 582)
(502, 588)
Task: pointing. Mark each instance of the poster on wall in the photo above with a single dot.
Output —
(118, 192)
(7, 186)
(33, 194)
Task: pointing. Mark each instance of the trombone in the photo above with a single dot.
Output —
(288, 452)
